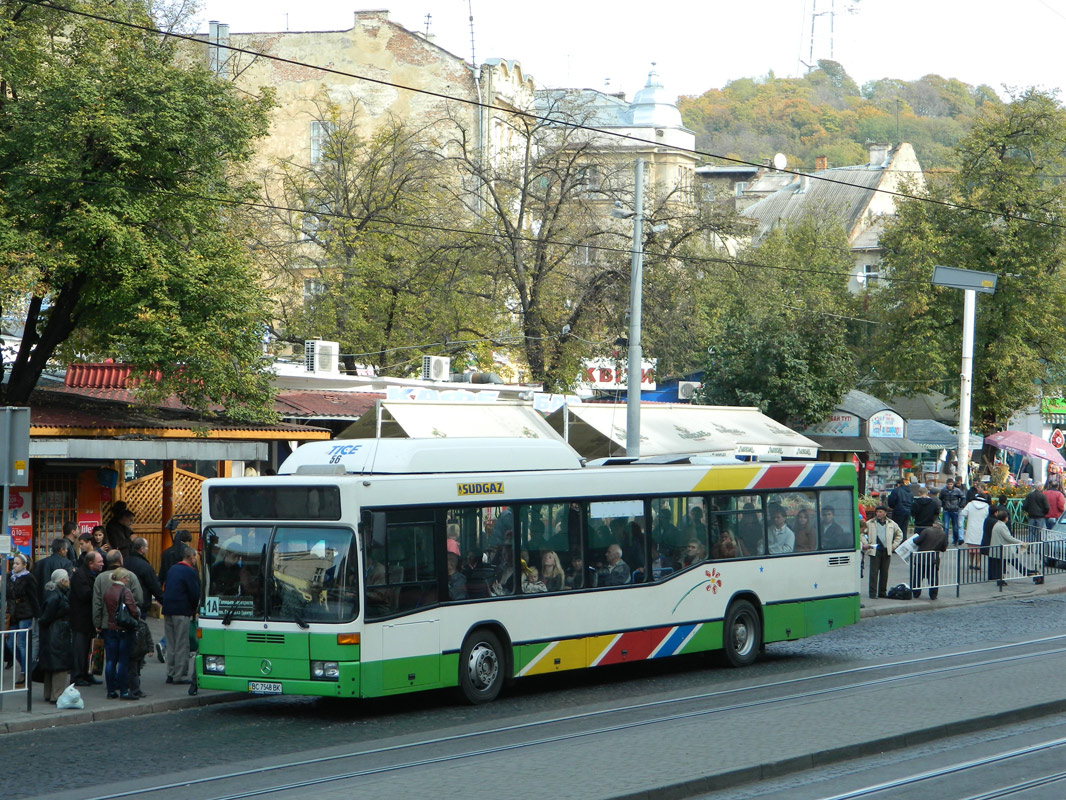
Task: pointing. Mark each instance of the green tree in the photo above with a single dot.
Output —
(365, 247)
(784, 347)
(1000, 212)
(117, 161)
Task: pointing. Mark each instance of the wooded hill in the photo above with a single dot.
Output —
(825, 113)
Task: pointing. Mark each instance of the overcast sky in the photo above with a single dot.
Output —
(702, 45)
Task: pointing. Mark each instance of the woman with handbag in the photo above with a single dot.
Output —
(24, 609)
(56, 656)
(118, 621)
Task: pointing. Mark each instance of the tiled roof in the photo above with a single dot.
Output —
(322, 404)
(61, 408)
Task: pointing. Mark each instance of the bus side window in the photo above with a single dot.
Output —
(836, 514)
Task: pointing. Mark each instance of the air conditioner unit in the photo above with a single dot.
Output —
(686, 390)
(322, 356)
(436, 368)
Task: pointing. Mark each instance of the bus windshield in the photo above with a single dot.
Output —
(291, 574)
(314, 575)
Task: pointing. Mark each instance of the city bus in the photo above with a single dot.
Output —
(375, 567)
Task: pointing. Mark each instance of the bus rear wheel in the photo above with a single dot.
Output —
(481, 667)
(741, 634)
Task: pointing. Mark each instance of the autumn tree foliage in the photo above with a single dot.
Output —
(824, 113)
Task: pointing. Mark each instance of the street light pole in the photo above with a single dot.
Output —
(636, 279)
(969, 322)
(971, 282)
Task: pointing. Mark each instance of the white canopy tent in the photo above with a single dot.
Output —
(599, 431)
(416, 420)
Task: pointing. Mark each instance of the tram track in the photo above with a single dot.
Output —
(1007, 790)
(930, 666)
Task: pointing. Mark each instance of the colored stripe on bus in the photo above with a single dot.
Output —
(781, 476)
(729, 479)
(814, 475)
(673, 642)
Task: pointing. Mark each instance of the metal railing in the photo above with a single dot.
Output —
(1037, 557)
(9, 641)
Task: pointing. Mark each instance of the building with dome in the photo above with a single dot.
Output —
(649, 127)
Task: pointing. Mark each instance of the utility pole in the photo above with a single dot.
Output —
(636, 280)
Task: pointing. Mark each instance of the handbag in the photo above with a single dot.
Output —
(96, 656)
(142, 642)
(123, 618)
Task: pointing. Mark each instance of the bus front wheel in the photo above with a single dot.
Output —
(481, 667)
(741, 634)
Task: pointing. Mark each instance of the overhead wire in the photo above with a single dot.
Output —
(536, 117)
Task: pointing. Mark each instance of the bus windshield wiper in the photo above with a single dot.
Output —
(227, 618)
(299, 620)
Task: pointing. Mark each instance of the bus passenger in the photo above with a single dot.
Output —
(616, 572)
(727, 545)
(806, 536)
(661, 565)
(695, 552)
(580, 576)
(782, 539)
(551, 571)
(750, 531)
(531, 582)
(456, 579)
(503, 579)
(833, 535)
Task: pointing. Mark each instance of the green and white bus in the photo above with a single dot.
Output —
(379, 566)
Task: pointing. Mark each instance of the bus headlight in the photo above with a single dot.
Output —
(325, 671)
(215, 664)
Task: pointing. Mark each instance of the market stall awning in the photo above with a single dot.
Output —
(864, 444)
(934, 435)
(599, 431)
(410, 419)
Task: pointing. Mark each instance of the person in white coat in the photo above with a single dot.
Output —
(972, 520)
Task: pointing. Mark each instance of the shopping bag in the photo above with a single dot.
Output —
(71, 698)
(96, 657)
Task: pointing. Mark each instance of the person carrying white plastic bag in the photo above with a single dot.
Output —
(70, 698)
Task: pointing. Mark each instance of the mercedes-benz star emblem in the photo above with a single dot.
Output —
(265, 666)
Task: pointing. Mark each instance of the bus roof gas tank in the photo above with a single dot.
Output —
(427, 456)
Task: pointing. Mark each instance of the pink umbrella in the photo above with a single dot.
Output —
(1026, 444)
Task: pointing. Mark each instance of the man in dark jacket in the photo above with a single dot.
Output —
(172, 555)
(181, 600)
(119, 532)
(43, 569)
(81, 616)
(951, 501)
(932, 541)
(70, 536)
(1037, 507)
(138, 564)
(900, 501)
(925, 509)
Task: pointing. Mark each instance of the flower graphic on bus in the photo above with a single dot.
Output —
(715, 582)
(712, 583)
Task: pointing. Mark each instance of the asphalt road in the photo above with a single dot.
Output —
(59, 760)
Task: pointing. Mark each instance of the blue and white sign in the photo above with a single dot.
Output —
(839, 424)
(886, 425)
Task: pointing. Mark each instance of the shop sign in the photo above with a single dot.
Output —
(839, 423)
(869, 466)
(886, 425)
(1058, 439)
(606, 373)
(906, 463)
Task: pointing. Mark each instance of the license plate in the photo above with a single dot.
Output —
(264, 687)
